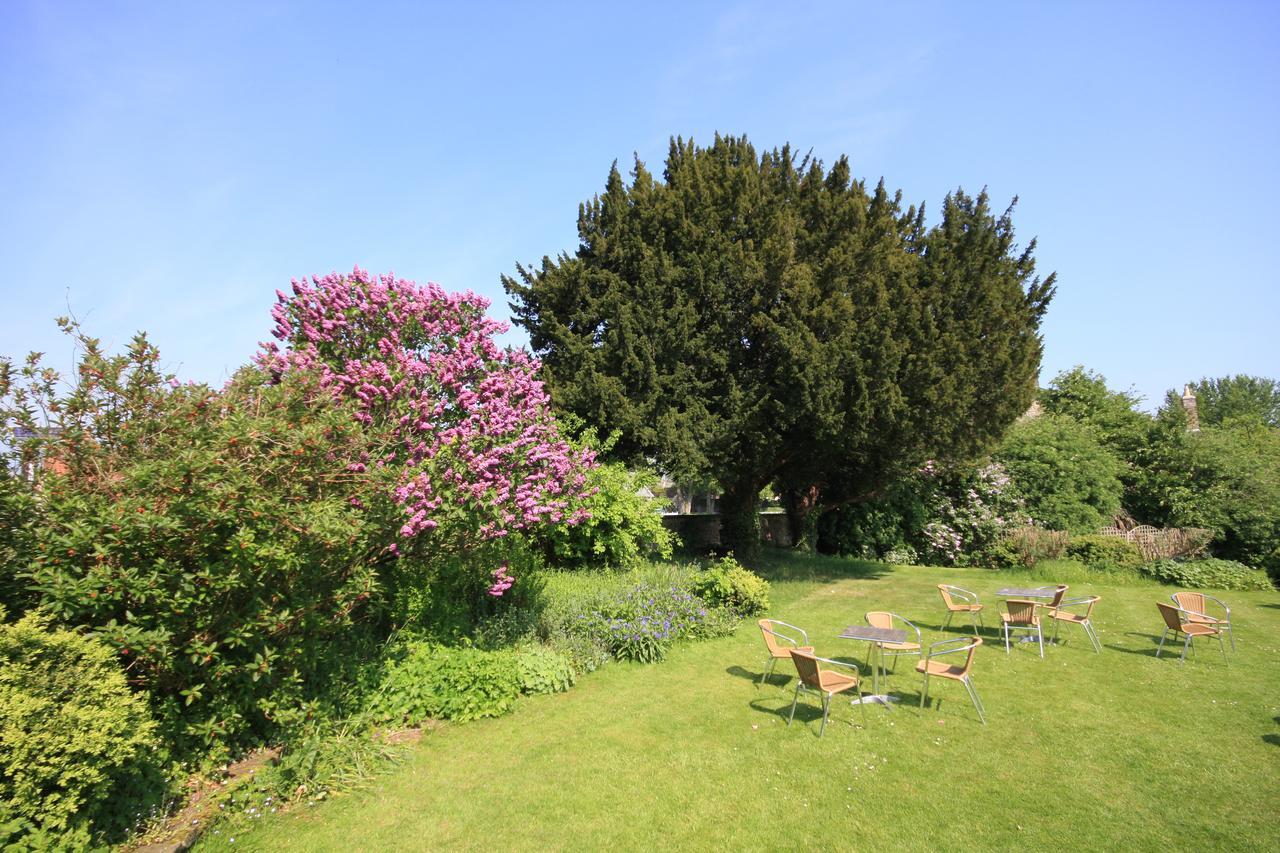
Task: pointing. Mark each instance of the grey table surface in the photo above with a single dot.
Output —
(1023, 592)
(874, 635)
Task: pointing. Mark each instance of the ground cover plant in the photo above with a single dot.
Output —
(693, 753)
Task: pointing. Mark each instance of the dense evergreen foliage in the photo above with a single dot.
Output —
(759, 319)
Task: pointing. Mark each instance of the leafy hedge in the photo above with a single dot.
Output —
(1108, 553)
(79, 752)
(1208, 574)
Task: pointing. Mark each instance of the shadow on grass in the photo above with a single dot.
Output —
(778, 564)
(776, 678)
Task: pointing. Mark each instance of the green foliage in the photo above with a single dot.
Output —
(1226, 479)
(544, 670)
(757, 318)
(872, 529)
(624, 527)
(1209, 573)
(430, 681)
(79, 752)
(1083, 396)
(326, 756)
(1105, 552)
(728, 585)
(1067, 478)
(1247, 399)
(18, 524)
(1026, 546)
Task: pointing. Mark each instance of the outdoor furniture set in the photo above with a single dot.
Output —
(1023, 613)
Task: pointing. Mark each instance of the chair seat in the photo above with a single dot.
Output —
(836, 682)
(786, 653)
(1005, 617)
(901, 647)
(964, 608)
(1197, 630)
(1205, 620)
(937, 668)
(1064, 616)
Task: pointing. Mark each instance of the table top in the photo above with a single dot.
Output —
(874, 635)
(1023, 592)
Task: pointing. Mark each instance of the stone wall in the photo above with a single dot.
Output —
(701, 531)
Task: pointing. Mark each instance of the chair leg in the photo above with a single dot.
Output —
(863, 706)
(977, 703)
(768, 670)
(947, 623)
(1185, 646)
(975, 617)
(924, 695)
(1221, 647)
(1161, 646)
(1093, 636)
(1232, 635)
(1040, 637)
(826, 706)
(1006, 638)
(794, 701)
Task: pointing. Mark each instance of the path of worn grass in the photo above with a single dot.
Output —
(1110, 751)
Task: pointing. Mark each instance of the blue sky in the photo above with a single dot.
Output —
(165, 167)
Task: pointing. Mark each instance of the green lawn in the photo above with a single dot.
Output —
(1101, 751)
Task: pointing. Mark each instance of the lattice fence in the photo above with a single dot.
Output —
(1163, 543)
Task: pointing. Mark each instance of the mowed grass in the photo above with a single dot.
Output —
(1111, 751)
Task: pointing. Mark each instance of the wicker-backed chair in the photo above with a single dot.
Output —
(959, 600)
(825, 682)
(1196, 606)
(885, 619)
(1022, 615)
(932, 667)
(1176, 620)
(1061, 613)
(779, 644)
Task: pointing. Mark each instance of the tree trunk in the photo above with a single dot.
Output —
(800, 505)
(740, 522)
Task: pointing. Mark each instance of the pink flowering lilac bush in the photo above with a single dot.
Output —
(470, 451)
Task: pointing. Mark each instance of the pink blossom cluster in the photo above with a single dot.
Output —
(470, 425)
(501, 581)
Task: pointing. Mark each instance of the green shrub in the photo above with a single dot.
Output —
(1067, 478)
(78, 750)
(727, 584)
(544, 670)
(624, 527)
(1208, 574)
(1109, 553)
(1026, 546)
(430, 681)
(585, 652)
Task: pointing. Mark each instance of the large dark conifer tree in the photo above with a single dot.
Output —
(758, 319)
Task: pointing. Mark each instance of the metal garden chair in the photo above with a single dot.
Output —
(1061, 614)
(826, 682)
(778, 644)
(959, 600)
(885, 619)
(932, 667)
(1194, 603)
(1022, 615)
(1174, 621)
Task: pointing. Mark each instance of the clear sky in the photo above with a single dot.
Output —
(167, 166)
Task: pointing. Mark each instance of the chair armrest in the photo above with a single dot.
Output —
(959, 644)
(1221, 604)
(793, 628)
(845, 664)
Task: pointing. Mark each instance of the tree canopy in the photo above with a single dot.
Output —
(755, 319)
(1253, 398)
